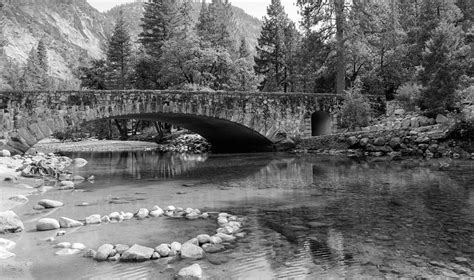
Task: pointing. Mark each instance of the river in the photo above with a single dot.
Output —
(307, 216)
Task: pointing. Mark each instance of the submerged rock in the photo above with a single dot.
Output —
(10, 222)
(191, 251)
(47, 224)
(190, 273)
(104, 252)
(213, 248)
(48, 203)
(19, 198)
(137, 253)
(79, 162)
(66, 185)
(69, 223)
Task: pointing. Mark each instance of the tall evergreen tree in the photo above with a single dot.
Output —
(243, 48)
(42, 56)
(272, 50)
(34, 77)
(216, 24)
(119, 57)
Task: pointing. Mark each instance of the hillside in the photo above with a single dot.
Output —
(73, 31)
(247, 26)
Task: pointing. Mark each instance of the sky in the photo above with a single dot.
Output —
(256, 8)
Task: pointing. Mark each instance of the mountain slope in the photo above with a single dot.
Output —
(72, 31)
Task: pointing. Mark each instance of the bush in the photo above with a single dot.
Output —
(355, 112)
(409, 94)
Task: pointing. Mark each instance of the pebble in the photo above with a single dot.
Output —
(48, 203)
(163, 249)
(191, 272)
(93, 219)
(104, 252)
(47, 224)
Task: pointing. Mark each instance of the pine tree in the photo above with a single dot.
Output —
(216, 24)
(243, 49)
(186, 18)
(272, 49)
(33, 77)
(42, 56)
(119, 57)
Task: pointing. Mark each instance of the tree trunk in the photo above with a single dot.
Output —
(341, 66)
(122, 128)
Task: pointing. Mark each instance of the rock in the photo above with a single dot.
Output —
(380, 141)
(440, 119)
(69, 223)
(67, 252)
(105, 219)
(226, 237)
(142, 213)
(137, 253)
(205, 215)
(5, 153)
(399, 112)
(114, 258)
(192, 216)
(176, 246)
(104, 252)
(406, 123)
(48, 203)
(395, 142)
(66, 185)
(91, 179)
(156, 212)
(115, 216)
(460, 260)
(193, 241)
(171, 208)
(363, 142)
(213, 248)
(63, 245)
(61, 233)
(240, 234)
(163, 249)
(121, 248)
(78, 179)
(19, 198)
(4, 254)
(191, 272)
(155, 256)
(215, 240)
(191, 251)
(203, 238)
(78, 246)
(47, 224)
(127, 216)
(352, 141)
(218, 259)
(79, 162)
(38, 207)
(93, 219)
(7, 244)
(90, 254)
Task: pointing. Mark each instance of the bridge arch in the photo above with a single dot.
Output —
(231, 121)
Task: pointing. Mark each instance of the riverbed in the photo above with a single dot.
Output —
(307, 216)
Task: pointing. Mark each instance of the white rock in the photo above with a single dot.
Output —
(163, 249)
(121, 248)
(193, 241)
(19, 198)
(226, 237)
(79, 162)
(224, 215)
(191, 272)
(203, 238)
(116, 216)
(170, 208)
(222, 221)
(63, 245)
(67, 252)
(127, 216)
(93, 219)
(191, 251)
(192, 216)
(47, 224)
(66, 185)
(204, 216)
(176, 246)
(69, 223)
(105, 219)
(78, 246)
(61, 233)
(4, 254)
(7, 244)
(156, 212)
(142, 213)
(137, 253)
(104, 252)
(48, 203)
(215, 240)
(5, 153)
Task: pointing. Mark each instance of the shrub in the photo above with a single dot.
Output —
(355, 112)
(409, 94)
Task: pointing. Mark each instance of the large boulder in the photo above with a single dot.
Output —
(10, 222)
(191, 251)
(48, 203)
(192, 272)
(137, 253)
(47, 224)
(104, 252)
(69, 223)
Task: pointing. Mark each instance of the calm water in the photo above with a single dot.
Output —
(308, 217)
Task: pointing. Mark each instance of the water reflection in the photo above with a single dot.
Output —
(311, 217)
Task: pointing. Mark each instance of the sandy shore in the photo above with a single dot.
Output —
(92, 145)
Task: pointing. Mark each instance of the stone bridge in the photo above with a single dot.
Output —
(231, 121)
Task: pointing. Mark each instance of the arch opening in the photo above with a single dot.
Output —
(321, 123)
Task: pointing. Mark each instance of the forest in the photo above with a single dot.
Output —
(416, 51)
